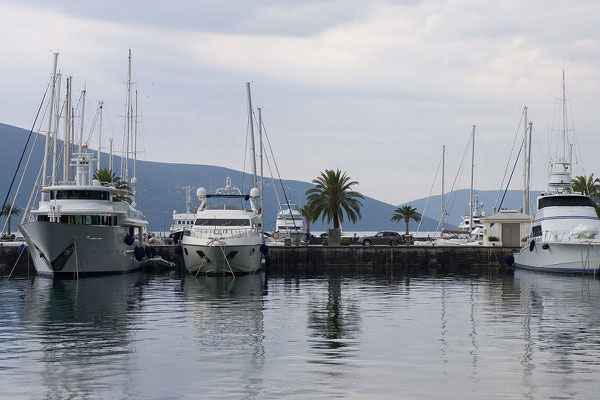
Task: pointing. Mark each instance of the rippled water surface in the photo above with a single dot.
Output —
(339, 335)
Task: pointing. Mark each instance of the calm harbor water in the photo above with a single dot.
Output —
(345, 334)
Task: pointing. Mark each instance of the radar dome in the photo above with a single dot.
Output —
(255, 193)
(201, 193)
(134, 181)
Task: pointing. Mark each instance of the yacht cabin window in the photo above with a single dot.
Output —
(79, 195)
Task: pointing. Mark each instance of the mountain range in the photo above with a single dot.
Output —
(160, 189)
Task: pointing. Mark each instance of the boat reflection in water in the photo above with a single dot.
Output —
(85, 334)
(227, 314)
(560, 330)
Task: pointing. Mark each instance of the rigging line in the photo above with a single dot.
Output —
(89, 138)
(278, 174)
(453, 184)
(26, 144)
(510, 157)
(511, 175)
(429, 195)
(23, 176)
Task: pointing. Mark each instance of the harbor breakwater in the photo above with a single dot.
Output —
(313, 258)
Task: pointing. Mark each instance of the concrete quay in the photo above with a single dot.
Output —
(332, 257)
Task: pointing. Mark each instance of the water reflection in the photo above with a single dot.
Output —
(84, 330)
(227, 314)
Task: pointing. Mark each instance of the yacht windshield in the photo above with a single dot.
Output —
(222, 222)
(565, 201)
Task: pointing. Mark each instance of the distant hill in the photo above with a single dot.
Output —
(160, 187)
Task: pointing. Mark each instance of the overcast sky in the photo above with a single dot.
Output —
(372, 88)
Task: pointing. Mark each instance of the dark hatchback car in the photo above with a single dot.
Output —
(388, 238)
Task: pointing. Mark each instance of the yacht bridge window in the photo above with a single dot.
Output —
(222, 222)
(565, 201)
(79, 194)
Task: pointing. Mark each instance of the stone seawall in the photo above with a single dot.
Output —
(282, 257)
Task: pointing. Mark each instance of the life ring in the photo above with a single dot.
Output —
(275, 235)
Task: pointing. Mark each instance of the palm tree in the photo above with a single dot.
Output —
(108, 177)
(9, 210)
(333, 196)
(406, 213)
(589, 186)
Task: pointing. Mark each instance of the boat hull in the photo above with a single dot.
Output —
(66, 250)
(221, 256)
(561, 257)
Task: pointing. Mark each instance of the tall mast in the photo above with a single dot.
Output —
(564, 119)
(56, 126)
(128, 120)
(83, 92)
(472, 169)
(66, 142)
(528, 178)
(443, 165)
(134, 179)
(253, 150)
(100, 106)
(525, 161)
(260, 143)
(110, 154)
(44, 168)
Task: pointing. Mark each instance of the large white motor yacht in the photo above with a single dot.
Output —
(225, 237)
(79, 230)
(565, 230)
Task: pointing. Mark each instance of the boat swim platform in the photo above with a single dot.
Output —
(296, 258)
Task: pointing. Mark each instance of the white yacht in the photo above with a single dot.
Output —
(289, 221)
(476, 231)
(565, 229)
(81, 228)
(225, 237)
(182, 221)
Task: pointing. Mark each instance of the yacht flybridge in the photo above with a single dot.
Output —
(289, 221)
(565, 229)
(225, 237)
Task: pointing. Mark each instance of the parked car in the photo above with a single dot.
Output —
(386, 238)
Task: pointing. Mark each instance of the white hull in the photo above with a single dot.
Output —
(209, 256)
(69, 250)
(562, 257)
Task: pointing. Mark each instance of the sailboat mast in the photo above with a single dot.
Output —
(110, 156)
(100, 106)
(134, 180)
(260, 143)
(56, 126)
(564, 115)
(528, 178)
(83, 92)
(66, 142)
(253, 150)
(525, 161)
(472, 170)
(443, 167)
(44, 168)
(128, 120)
